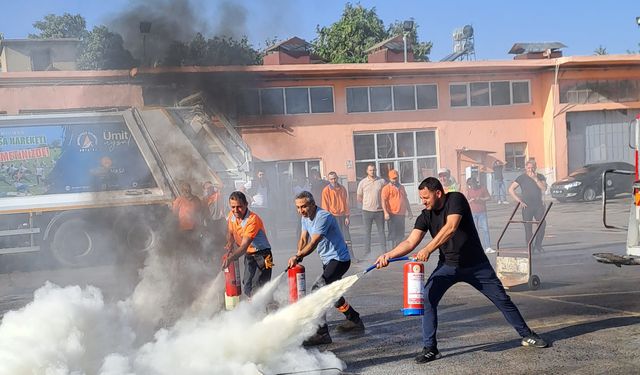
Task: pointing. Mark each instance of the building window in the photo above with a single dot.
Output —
(482, 94)
(357, 99)
(427, 96)
(321, 99)
(380, 98)
(520, 92)
(250, 102)
(297, 99)
(500, 93)
(391, 98)
(458, 94)
(404, 98)
(412, 153)
(601, 91)
(290, 101)
(515, 156)
(272, 101)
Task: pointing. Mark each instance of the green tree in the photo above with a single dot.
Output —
(421, 50)
(102, 49)
(215, 51)
(600, 51)
(65, 26)
(99, 49)
(346, 40)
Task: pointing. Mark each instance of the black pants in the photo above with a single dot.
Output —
(257, 270)
(528, 214)
(332, 272)
(396, 229)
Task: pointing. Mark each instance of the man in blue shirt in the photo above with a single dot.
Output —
(320, 231)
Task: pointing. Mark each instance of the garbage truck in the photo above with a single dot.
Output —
(76, 185)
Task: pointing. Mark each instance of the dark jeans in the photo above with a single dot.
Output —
(257, 270)
(396, 229)
(484, 279)
(528, 214)
(368, 217)
(332, 272)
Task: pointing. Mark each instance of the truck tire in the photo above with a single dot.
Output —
(73, 243)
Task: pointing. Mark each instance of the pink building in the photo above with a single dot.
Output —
(415, 117)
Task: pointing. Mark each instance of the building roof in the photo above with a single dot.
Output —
(326, 71)
(521, 48)
(9, 42)
(294, 45)
(395, 43)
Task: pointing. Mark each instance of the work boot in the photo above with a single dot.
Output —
(351, 325)
(318, 338)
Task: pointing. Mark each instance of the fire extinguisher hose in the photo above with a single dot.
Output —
(390, 261)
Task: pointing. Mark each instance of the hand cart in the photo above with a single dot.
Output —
(513, 265)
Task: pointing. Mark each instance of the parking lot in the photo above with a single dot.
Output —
(589, 311)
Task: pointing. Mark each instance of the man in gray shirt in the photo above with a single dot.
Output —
(368, 193)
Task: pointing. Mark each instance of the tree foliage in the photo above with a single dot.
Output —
(103, 49)
(600, 51)
(346, 40)
(215, 51)
(421, 50)
(359, 28)
(65, 26)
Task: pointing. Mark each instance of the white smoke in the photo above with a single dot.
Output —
(71, 330)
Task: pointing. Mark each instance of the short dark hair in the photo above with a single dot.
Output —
(306, 195)
(239, 196)
(431, 184)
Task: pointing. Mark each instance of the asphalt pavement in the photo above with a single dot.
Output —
(590, 312)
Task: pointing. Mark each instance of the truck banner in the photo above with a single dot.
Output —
(58, 158)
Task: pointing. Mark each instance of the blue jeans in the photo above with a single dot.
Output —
(482, 225)
(501, 191)
(484, 279)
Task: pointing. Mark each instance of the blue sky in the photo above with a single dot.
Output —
(581, 25)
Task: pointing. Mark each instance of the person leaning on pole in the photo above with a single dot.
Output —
(321, 232)
(447, 218)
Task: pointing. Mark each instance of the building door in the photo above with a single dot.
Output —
(411, 153)
(598, 137)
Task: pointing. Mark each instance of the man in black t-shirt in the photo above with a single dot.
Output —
(448, 219)
(532, 185)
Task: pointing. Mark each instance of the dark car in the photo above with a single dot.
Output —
(586, 182)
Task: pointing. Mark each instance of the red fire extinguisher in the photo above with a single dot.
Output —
(297, 283)
(232, 288)
(413, 299)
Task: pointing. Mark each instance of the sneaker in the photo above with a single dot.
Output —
(489, 250)
(318, 339)
(534, 340)
(428, 355)
(351, 326)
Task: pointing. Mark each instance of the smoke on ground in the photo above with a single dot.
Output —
(72, 330)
